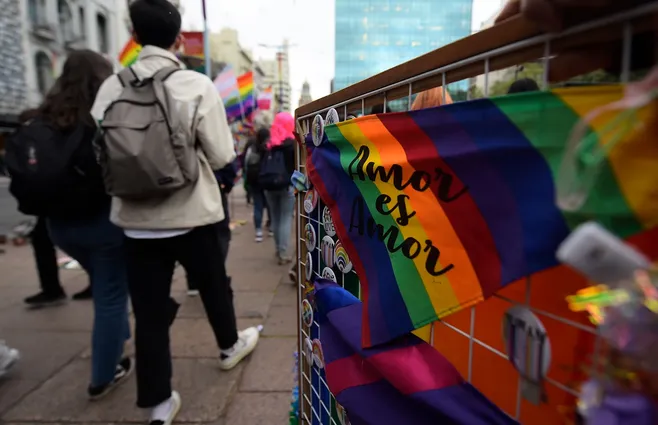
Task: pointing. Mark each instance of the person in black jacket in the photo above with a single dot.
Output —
(281, 200)
(254, 153)
(45, 256)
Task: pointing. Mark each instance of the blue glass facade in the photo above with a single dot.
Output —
(375, 35)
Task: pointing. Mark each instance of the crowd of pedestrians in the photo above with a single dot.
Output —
(128, 174)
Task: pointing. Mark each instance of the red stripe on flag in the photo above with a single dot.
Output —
(409, 369)
(350, 372)
(463, 214)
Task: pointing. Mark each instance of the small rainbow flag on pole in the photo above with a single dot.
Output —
(246, 87)
(129, 54)
(440, 208)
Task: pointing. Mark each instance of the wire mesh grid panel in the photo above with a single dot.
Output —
(321, 255)
(534, 379)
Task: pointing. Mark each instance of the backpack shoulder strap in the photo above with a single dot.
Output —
(162, 74)
(127, 76)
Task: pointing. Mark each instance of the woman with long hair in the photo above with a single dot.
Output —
(86, 233)
(45, 256)
(280, 202)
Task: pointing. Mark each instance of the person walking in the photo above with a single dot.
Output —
(164, 132)
(45, 256)
(276, 170)
(254, 153)
(55, 175)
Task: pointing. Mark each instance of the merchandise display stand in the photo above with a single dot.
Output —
(476, 340)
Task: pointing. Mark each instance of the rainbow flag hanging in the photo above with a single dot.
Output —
(129, 54)
(227, 86)
(246, 87)
(440, 208)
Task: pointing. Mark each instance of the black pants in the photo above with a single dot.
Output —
(151, 265)
(45, 258)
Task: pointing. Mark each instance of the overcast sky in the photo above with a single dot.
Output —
(308, 24)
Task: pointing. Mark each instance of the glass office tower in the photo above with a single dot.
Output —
(375, 35)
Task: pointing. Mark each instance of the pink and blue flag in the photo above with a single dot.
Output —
(406, 381)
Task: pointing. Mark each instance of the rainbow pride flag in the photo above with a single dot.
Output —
(246, 87)
(440, 208)
(129, 54)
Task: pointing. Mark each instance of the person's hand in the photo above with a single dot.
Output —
(546, 14)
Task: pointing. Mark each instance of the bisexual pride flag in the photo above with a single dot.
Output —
(440, 208)
(403, 382)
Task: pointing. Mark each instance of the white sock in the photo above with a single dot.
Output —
(162, 411)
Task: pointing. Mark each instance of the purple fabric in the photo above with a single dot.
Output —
(381, 402)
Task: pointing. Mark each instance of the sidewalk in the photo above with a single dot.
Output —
(49, 385)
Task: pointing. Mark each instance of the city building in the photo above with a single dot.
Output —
(305, 97)
(372, 37)
(277, 75)
(494, 76)
(37, 35)
(225, 48)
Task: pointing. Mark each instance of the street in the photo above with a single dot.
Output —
(48, 386)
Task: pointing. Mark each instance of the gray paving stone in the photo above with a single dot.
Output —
(14, 389)
(205, 391)
(281, 321)
(271, 365)
(286, 294)
(74, 316)
(44, 353)
(259, 409)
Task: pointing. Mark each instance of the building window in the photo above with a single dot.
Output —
(83, 26)
(65, 20)
(37, 11)
(101, 25)
(45, 78)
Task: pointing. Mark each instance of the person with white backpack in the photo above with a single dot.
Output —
(164, 131)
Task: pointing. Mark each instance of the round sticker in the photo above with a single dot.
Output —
(308, 268)
(307, 313)
(329, 274)
(328, 222)
(318, 130)
(308, 351)
(311, 239)
(310, 201)
(342, 259)
(332, 117)
(318, 355)
(328, 251)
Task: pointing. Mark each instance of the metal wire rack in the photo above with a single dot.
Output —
(471, 339)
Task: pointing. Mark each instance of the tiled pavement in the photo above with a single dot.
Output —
(48, 385)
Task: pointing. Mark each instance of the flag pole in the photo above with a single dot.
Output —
(206, 41)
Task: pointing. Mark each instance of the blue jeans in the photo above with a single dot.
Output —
(97, 245)
(260, 205)
(281, 204)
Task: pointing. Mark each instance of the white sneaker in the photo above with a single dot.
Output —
(165, 412)
(259, 236)
(193, 293)
(247, 341)
(8, 358)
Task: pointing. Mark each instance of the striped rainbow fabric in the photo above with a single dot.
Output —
(246, 87)
(440, 208)
(227, 86)
(129, 53)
